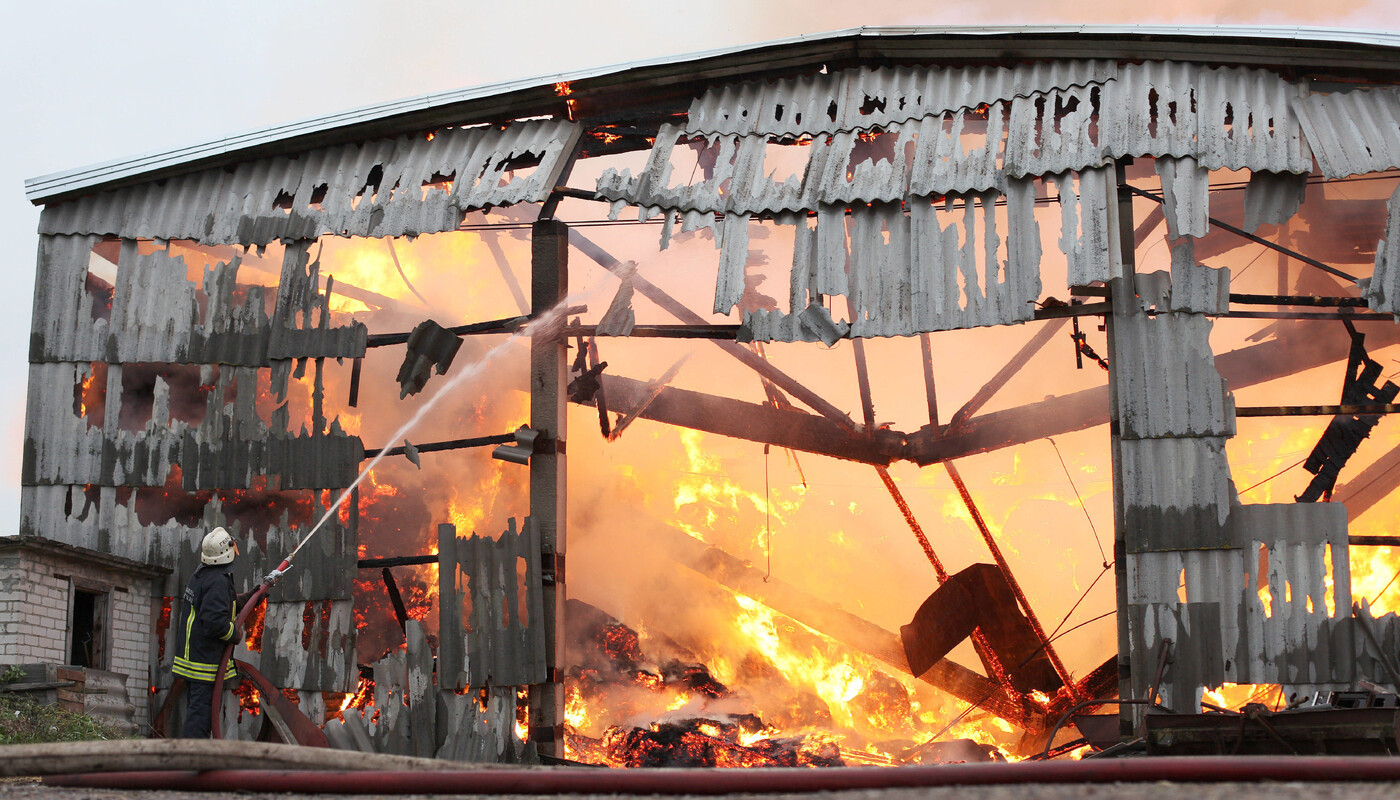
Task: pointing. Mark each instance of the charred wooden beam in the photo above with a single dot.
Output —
(355, 383)
(506, 325)
(1006, 373)
(396, 599)
(930, 391)
(979, 434)
(1318, 411)
(1315, 301)
(1313, 315)
(793, 429)
(1246, 366)
(492, 241)
(731, 332)
(679, 310)
(1067, 311)
(451, 444)
(1373, 541)
(723, 332)
(503, 325)
(396, 561)
(579, 194)
(654, 390)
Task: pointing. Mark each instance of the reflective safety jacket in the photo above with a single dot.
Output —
(206, 624)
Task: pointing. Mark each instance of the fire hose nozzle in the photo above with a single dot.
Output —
(272, 576)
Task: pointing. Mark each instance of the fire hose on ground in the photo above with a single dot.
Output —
(498, 779)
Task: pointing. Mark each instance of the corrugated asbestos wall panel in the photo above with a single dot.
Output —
(403, 718)
(309, 645)
(921, 157)
(62, 447)
(876, 137)
(155, 316)
(1227, 118)
(1053, 131)
(1176, 492)
(1196, 288)
(862, 98)
(1268, 639)
(490, 633)
(395, 187)
(232, 449)
(1382, 290)
(1352, 133)
(482, 735)
(1169, 385)
(1185, 196)
(99, 474)
(1272, 198)
(1372, 657)
(938, 267)
(1221, 118)
(1084, 199)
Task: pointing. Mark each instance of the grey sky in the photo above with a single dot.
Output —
(89, 82)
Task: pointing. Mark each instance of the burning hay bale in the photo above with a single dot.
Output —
(626, 709)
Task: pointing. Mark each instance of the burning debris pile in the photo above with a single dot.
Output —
(628, 709)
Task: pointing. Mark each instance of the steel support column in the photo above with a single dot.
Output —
(549, 285)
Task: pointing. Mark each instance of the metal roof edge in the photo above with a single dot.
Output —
(68, 183)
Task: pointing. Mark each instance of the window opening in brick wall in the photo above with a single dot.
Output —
(89, 629)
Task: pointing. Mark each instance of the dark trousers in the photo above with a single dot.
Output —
(200, 698)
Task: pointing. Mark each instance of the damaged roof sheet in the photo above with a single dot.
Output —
(940, 266)
(386, 187)
(1315, 47)
(865, 98)
(924, 132)
(1302, 638)
(1354, 132)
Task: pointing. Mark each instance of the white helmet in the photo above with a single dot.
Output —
(218, 547)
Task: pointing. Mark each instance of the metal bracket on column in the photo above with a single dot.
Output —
(526, 445)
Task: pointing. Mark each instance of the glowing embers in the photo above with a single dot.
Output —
(621, 683)
(790, 702)
(707, 743)
(249, 698)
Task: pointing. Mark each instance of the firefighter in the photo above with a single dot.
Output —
(206, 626)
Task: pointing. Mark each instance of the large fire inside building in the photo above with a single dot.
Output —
(898, 397)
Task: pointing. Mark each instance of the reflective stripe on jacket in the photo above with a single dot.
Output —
(206, 625)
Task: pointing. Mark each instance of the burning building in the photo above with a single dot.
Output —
(724, 262)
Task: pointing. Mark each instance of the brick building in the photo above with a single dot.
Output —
(69, 605)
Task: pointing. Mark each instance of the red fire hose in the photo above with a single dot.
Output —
(572, 780)
(216, 708)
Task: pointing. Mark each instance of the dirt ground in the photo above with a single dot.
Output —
(32, 789)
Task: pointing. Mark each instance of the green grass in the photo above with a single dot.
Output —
(23, 721)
